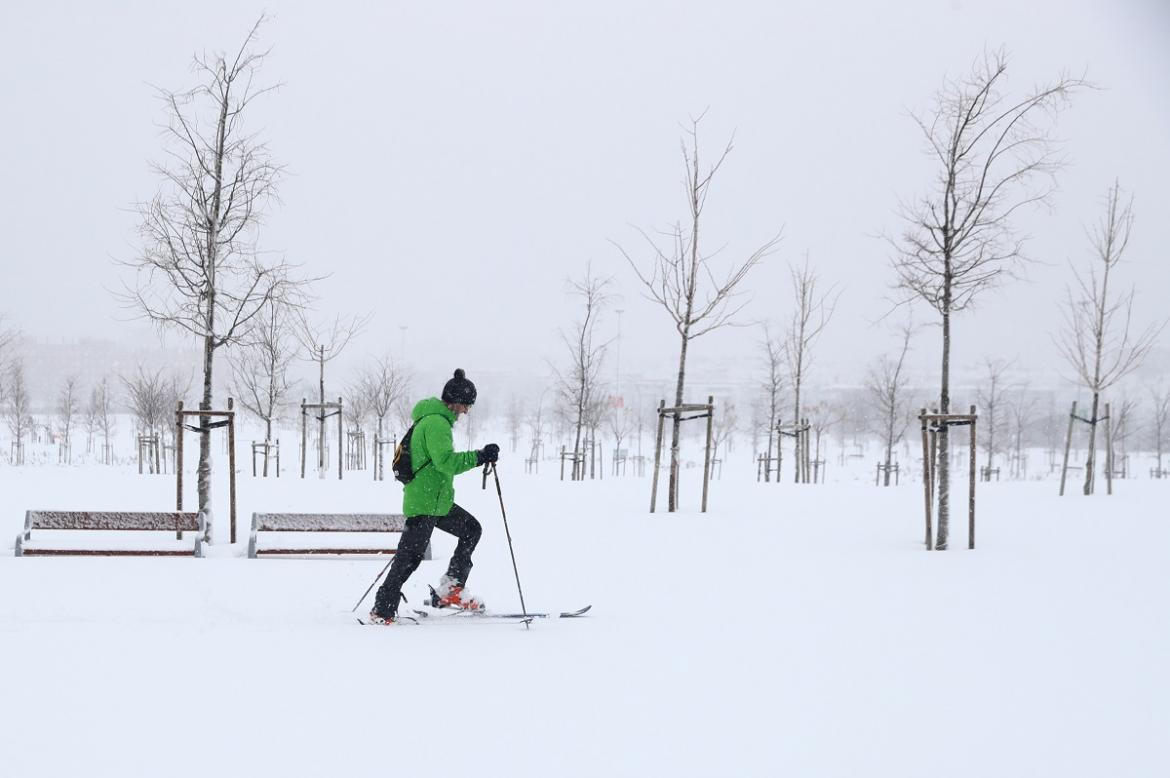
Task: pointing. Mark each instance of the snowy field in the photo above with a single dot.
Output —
(791, 631)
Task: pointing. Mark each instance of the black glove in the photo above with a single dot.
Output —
(489, 453)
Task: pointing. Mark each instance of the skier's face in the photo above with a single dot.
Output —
(459, 409)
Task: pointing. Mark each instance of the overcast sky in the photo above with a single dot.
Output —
(451, 164)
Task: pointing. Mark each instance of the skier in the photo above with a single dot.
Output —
(428, 500)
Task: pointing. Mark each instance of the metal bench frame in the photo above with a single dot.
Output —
(383, 523)
(119, 521)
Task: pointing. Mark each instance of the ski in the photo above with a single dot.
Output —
(562, 615)
(410, 621)
(493, 615)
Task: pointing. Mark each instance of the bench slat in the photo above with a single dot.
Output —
(33, 551)
(339, 523)
(334, 551)
(328, 522)
(114, 520)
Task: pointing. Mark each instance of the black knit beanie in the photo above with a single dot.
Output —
(459, 389)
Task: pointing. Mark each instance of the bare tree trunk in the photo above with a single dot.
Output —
(796, 457)
(889, 446)
(1091, 456)
(267, 443)
(204, 468)
(676, 427)
(944, 458)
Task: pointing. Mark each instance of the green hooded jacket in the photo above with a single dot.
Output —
(435, 462)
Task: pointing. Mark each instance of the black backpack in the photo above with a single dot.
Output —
(404, 472)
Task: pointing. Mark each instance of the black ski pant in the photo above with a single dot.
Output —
(413, 545)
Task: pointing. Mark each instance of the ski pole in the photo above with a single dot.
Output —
(367, 594)
(490, 467)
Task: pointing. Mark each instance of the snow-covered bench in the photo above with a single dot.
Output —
(61, 540)
(338, 525)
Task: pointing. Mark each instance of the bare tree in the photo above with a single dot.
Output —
(825, 416)
(357, 409)
(594, 417)
(773, 386)
(887, 382)
(1160, 425)
(323, 344)
(18, 411)
(147, 395)
(681, 280)
(1122, 413)
(991, 398)
(385, 385)
(175, 389)
(1097, 340)
(357, 406)
(515, 421)
(67, 409)
(993, 156)
(579, 385)
(724, 428)
(105, 422)
(473, 422)
(811, 312)
(619, 424)
(260, 368)
(200, 270)
(536, 423)
(402, 412)
(90, 420)
(7, 342)
(1021, 411)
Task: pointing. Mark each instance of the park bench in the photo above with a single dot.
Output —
(62, 542)
(380, 524)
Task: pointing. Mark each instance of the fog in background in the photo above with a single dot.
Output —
(452, 164)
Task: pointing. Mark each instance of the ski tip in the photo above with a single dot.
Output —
(576, 613)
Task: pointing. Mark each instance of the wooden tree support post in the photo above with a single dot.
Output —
(1072, 416)
(931, 423)
(971, 493)
(927, 480)
(657, 457)
(323, 411)
(228, 420)
(1108, 452)
(304, 434)
(707, 449)
(271, 451)
(706, 411)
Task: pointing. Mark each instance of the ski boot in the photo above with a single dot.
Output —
(381, 621)
(452, 594)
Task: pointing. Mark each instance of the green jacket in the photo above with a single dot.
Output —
(435, 462)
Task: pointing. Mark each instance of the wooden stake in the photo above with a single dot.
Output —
(927, 480)
(232, 465)
(707, 450)
(971, 494)
(304, 435)
(179, 461)
(1072, 415)
(657, 458)
(1108, 451)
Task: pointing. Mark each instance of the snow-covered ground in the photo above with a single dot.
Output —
(792, 630)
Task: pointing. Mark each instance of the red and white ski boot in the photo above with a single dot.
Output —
(452, 594)
(381, 621)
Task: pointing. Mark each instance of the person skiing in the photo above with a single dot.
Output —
(428, 500)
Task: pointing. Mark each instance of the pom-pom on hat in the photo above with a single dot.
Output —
(459, 389)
